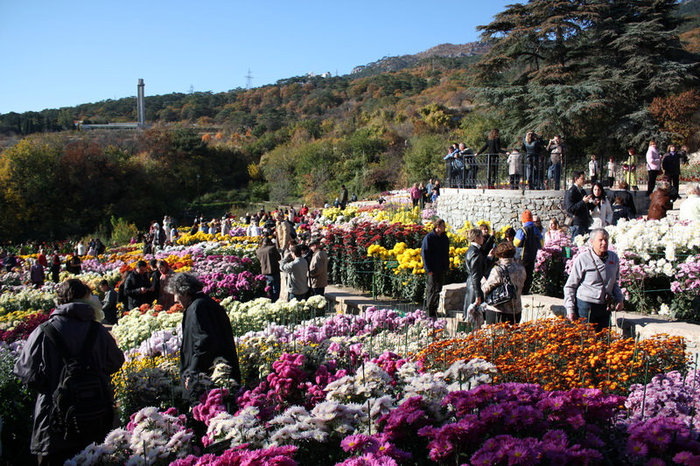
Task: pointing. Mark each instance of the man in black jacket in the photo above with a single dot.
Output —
(40, 365)
(576, 204)
(206, 334)
(475, 262)
(671, 163)
(137, 286)
(435, 251)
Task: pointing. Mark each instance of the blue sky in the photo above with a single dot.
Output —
(57, 53)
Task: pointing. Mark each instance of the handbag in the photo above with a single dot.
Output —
(504, 292)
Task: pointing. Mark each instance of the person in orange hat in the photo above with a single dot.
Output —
(529, 240)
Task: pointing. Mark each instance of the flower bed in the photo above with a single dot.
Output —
(384, 387)
(560, 355)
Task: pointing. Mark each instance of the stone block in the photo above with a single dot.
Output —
(537, 307)
(452, 298)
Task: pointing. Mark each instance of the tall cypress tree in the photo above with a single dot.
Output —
(639, 57)
(584, 68)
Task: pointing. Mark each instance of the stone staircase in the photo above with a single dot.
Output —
(535, 307)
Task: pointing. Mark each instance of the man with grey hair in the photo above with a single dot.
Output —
(593, 280)
(206, 333)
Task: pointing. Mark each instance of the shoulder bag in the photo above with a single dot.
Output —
(504, 292)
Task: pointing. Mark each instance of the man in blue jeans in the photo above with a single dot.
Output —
(594, 279)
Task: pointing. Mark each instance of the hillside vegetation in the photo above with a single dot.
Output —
(605, 76)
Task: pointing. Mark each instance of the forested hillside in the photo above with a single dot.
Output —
(603, 75)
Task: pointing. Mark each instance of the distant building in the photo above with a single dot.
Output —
(140, 114)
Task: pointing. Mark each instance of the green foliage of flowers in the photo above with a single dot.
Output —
(147, 381)
(28, 298)
(257, 314)
(135, 327)
(15, 411)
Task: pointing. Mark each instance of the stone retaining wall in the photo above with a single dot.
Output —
(500, 207)
(503, 207)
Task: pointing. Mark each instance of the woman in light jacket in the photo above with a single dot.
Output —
(653, 166)
(601, 210)
(512, 310)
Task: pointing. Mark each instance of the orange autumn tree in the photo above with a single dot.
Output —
(675, 113)
(560, 355)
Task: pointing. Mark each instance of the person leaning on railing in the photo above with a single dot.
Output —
(452, 151)
(493, 149)
(471, 168)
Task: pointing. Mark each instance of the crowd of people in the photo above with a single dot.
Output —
(525, 162)
(42, 267)
(508, 267)
(422, 194)
(498, 275)
(295, 268)
(491, 266)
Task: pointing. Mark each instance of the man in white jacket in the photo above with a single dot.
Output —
(594, 278)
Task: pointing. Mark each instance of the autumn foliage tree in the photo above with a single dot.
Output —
(675, 114)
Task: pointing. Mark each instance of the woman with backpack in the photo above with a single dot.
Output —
(70, 338)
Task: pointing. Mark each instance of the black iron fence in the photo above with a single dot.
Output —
(496, 171)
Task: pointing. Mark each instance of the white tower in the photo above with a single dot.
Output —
(141, 104)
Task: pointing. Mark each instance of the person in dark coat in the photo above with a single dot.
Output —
(576, 205)
(270, 258)
(435, 251)
(137, 286)
(55, 266)
(10, 261)
(528, 240)
(109, 303)
(671, 163)
(532, 146)
(73, 265)
(206, 334)
(492, 149)
(626, 196)
(40, 364)
(36, 274)
(620, 210)
(154, 277)
(475, 262)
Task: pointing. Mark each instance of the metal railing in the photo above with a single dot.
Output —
(491, 171)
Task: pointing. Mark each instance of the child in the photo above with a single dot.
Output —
(612, 168)
(515, 161)
(619, 210)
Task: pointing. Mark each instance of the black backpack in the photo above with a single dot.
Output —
(82, 403)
